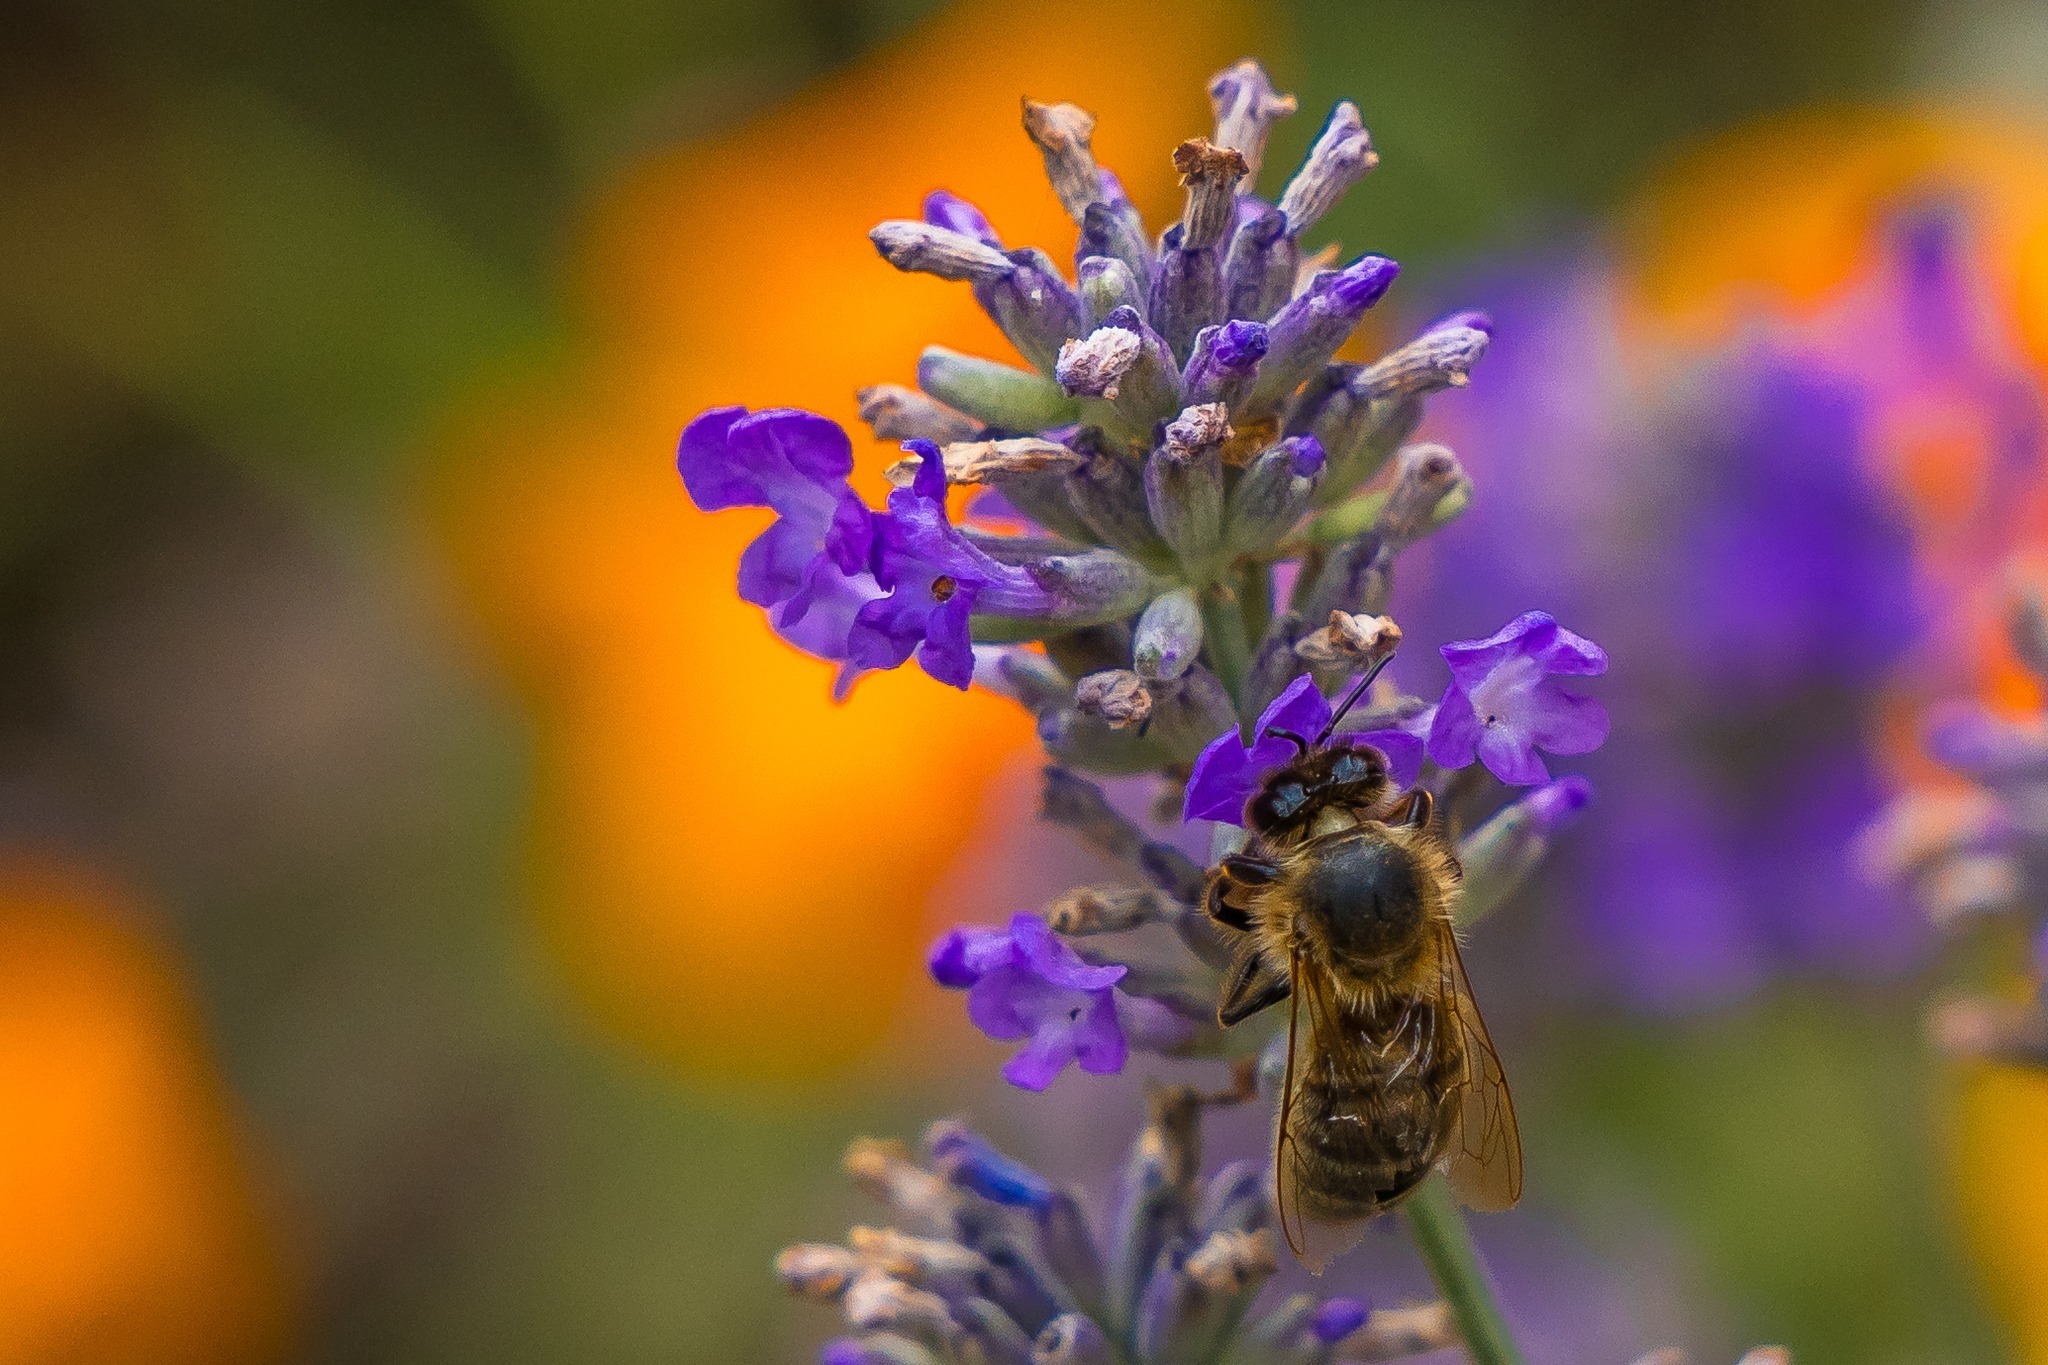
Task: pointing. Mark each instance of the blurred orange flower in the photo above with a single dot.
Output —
(1782, 220)
(131, 1233)
(734, 869)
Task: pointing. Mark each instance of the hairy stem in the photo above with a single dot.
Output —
(1446, 1246)
(1223, 639)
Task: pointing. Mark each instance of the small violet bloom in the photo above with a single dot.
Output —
(1501, 705)
(1227, 773)
(1026, 982)
(934, 578)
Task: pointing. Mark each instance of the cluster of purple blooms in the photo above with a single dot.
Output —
(1972, 852)
(1184, 532)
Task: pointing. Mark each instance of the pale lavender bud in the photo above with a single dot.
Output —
(1184, 486)
(1034, 306)
(1034, 680)
(885, 1171)
(1424, 476)
(1149, 391)
(1466, 317)
(1107, 284)
(1094, 366)
(1086, 910)
(995, 394)
(1359, 434)
(1169, 635)
(1225, 361)
(1441, 358)
(1258, 272)
(1187, 293)
(1210, 175)
(877, 1302)
(1187, 713)
(1001, 1340)
(944, 1267)
(1305, 333)
(943, 208)
(1187, 1308)
(1274, 662)
(1246, 108)
(1072, 1339)
(1398, 1333)
(817, 1270)
(1114, 230)
(1108, 493)
(1118, 697)
(929, 250)
(1089, 744)
(1067, 1244)
(1500, 855)
(1096, 585)
(1062, 133)
(1237, 1199)
(1275, 493)
(1341, 155)
(1157, 1194)
(895, 413)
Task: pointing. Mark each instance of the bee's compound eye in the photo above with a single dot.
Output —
(1284, 800)
(1349, 767)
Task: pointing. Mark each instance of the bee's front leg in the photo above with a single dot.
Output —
(1223, 899)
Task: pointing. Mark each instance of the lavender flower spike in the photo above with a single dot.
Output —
(1501, 705)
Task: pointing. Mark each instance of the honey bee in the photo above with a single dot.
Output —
(1341, 904)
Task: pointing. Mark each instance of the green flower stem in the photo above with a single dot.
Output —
(1446, 1246)
(1224, 640)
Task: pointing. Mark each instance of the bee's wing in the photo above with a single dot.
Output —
(1484, 1160)
(1313, 1039)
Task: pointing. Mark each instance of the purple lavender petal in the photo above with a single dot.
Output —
(947, 653)
(886, 631)
(1559, 803)
(1337, 1319)
(792, 442)
(1097, 1038)
(1055, 962)
(1404, 753)
(1455, 731)
(1301, 708)
(713, 473)
(1042, 1059)
(1150, 1025)
(1221, 782)
(943, 208)
(1561, 721)
(1005, 1003)
(1509, 756)
(774, 564)
(1525, 637)
(962, 956)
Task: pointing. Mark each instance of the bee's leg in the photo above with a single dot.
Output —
(1246, 870)
(1417, 808)
(1237, 872)
(1250, 986)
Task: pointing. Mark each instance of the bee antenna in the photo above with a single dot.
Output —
(1296, 740)
(1351, 698)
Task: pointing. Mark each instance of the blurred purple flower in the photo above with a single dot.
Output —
(1228, 772)
(1501, 705)
(1026, 982)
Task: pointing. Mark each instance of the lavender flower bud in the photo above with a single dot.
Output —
(1094, 366)
(1033, 305)
(1169, 635)
(1089, 744)
(1107, 284)
(1184, 486)
(1360, 434)
(1349, 643)
(876, 1302)
(1072, 1339)
(885, 1170)
(1096, 585)
(1157, 1195)
(1086, 910)
(1275, 493)
(1114, 231)
(924, 249)
(991, 462)
(1500, 855)
(1425, 477)
(1274, 663)
(1397, 1333)
(1149, 391)
(1224, 362)
(997, 395)
(1341, 155)
(1188, 712)
(1187, 1308)
(1068, 1247)
(1259, 270)
(876, 1348)
(1001, 1340)
(1308, 330)
(895, 413)
(1440, 358)
(1034, 680)
(1246, 108)
(1236, 1199)
(943, 208)
(969, 1161)
(1108, 494)
(1062, 133)
(1187, 292)
(1117, 697)
(817, 1270)
(1209, 174)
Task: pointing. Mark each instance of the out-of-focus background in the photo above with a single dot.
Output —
(439, 922)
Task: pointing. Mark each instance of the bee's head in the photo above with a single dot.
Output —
(1292, 796)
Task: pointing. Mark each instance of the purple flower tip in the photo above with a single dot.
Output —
(1337, 1319)
(1240, 345)
(1307, 455)
(1363, 283)
(1502, 707)
(1556, 804)
(943, 208)
(1470, 317)
(842, 1351)
(970, 1161)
